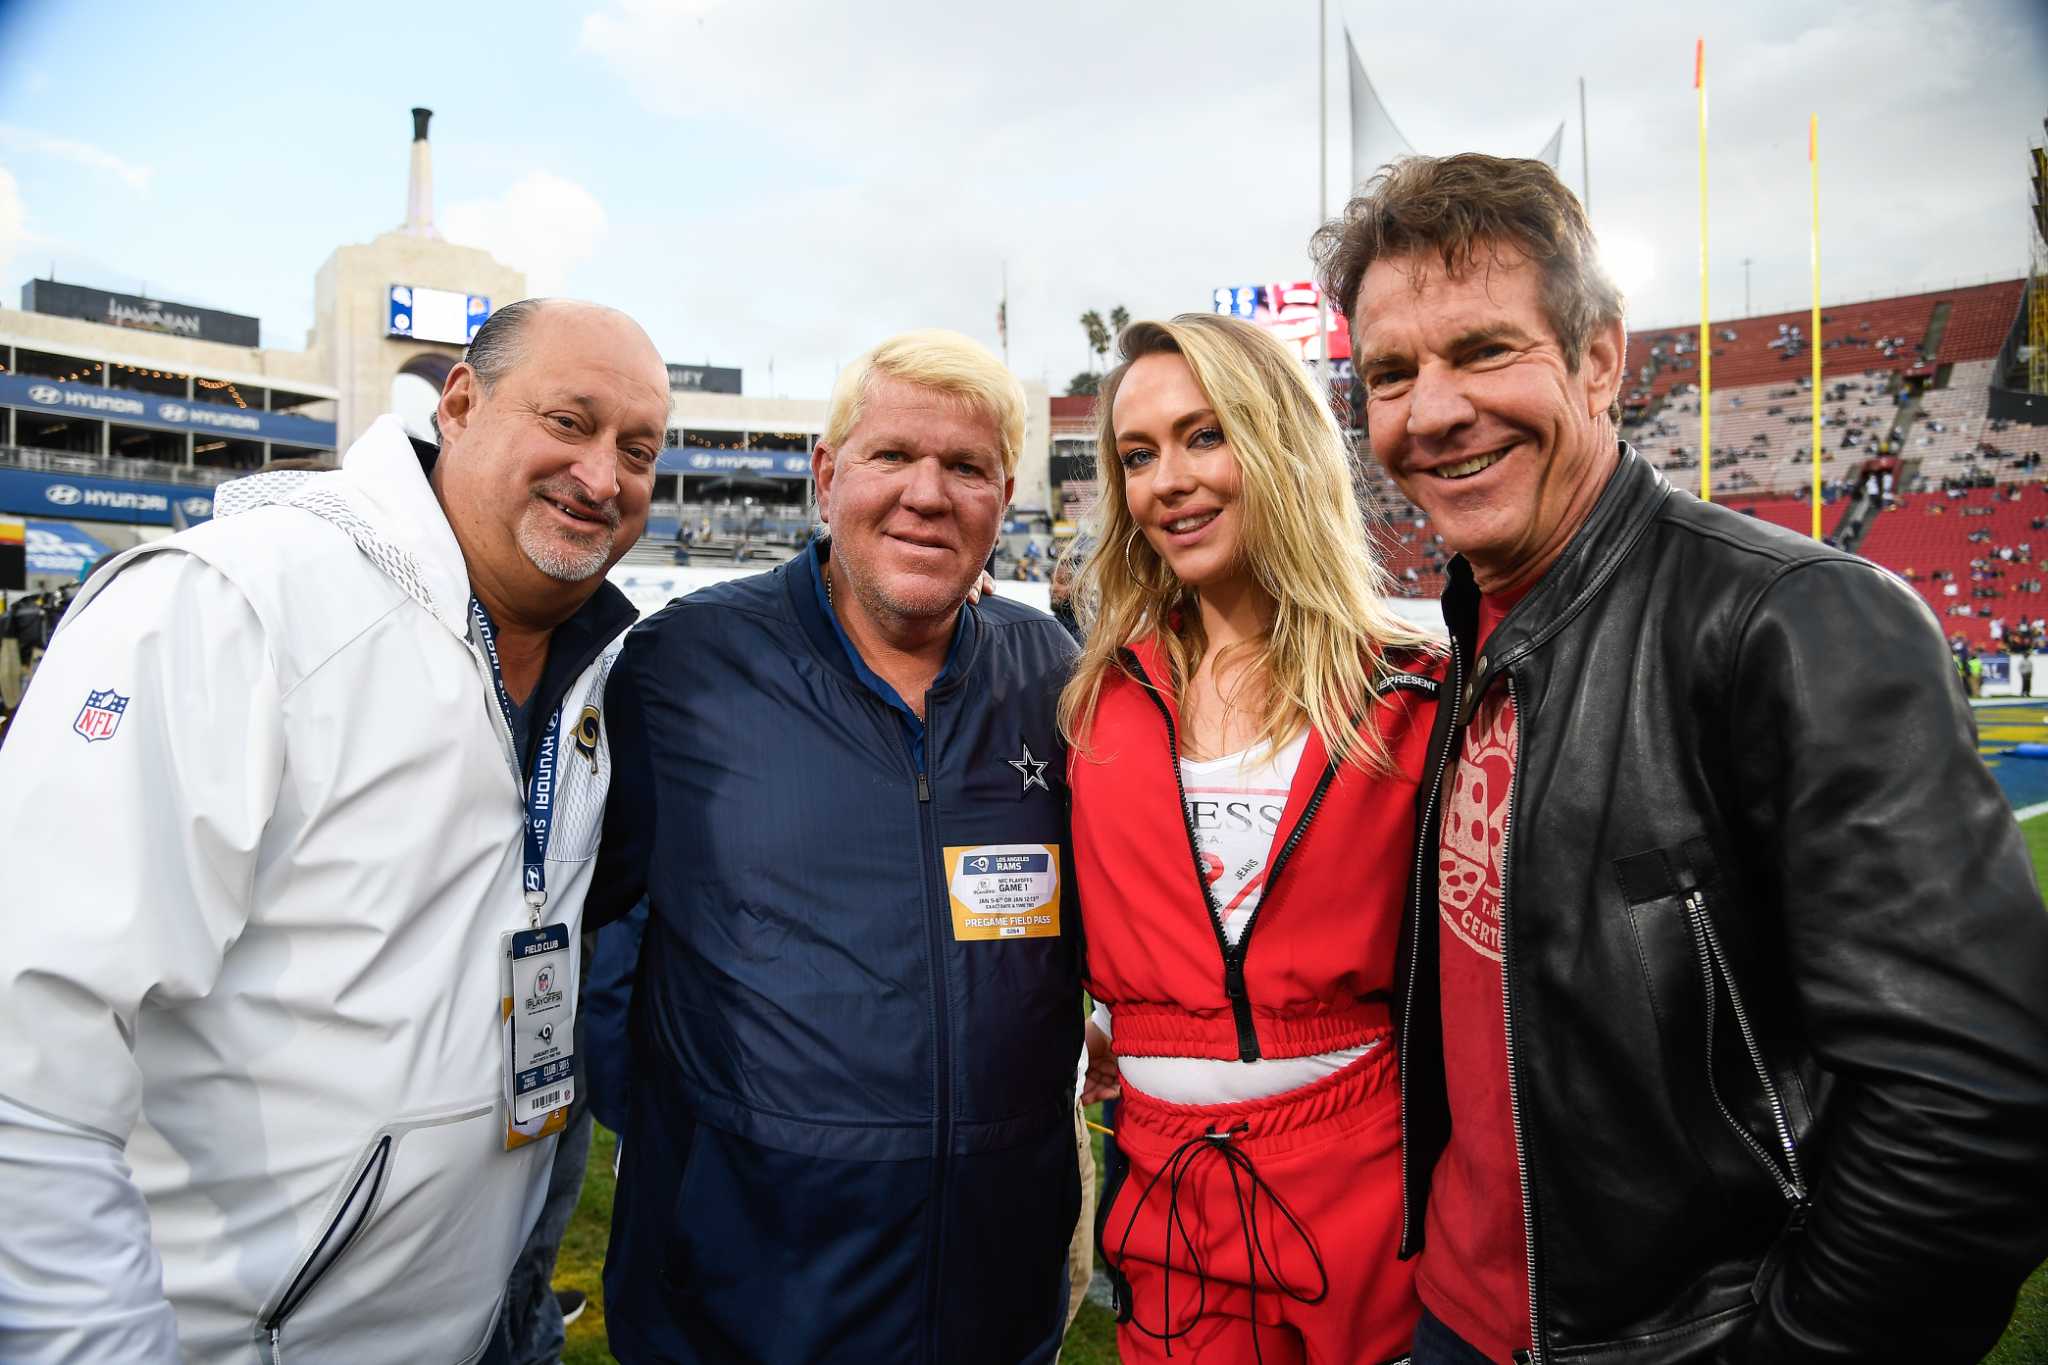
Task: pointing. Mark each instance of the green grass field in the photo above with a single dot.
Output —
(1093, 1338)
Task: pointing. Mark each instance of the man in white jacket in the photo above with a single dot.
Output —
(292, 791)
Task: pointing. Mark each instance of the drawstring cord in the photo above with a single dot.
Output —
(1245, 1184)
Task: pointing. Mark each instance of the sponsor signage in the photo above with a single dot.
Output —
(131, 310)
(703, 379)
(79, 498)
(132, 408)
(758, 464)
(56, 547)
(421, 314)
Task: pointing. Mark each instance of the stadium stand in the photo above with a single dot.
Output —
(1906, 377)
(1761, 433)
(1882, 335)
(1973, 555)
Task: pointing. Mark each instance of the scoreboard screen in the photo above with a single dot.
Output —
(434, 314)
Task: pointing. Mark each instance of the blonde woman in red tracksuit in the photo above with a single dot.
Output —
(1248, 724)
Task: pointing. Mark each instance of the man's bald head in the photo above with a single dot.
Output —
(550, 430)
(500, 344)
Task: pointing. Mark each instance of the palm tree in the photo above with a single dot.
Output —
(1098, 335)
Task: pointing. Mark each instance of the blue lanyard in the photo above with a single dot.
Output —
(540, 791)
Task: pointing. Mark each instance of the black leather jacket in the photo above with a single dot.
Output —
(1776, 966)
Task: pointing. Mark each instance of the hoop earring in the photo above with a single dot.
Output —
(1130, 569)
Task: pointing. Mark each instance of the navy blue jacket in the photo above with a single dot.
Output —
(850, 1136)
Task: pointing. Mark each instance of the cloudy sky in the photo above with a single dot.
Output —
(787, 181)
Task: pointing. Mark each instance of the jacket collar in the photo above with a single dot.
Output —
(1634, 493)
(382, 499)
(379, 498)
(386, 478)
(800, 591)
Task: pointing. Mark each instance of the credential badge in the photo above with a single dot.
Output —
(101, 715)
(1032, 770)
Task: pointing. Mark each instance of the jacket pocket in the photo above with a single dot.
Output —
(1775, 1149)
(392, 1181)
(1708, 1031)
(1114, 1184)
(358, 1200)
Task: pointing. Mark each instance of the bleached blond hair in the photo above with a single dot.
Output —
(937, 359)
(1304, 542)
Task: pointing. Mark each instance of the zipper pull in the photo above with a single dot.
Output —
(924, 788)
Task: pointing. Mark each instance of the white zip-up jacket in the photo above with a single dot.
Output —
(263, 833)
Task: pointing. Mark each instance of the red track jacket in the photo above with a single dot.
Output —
(1314, 970)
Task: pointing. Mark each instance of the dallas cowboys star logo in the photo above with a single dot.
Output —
(1032, 770)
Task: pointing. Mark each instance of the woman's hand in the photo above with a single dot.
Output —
(1101, 1083)
(982, 586)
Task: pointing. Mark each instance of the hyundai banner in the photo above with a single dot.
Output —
(78, 498)
(759, 464)
(130, 408)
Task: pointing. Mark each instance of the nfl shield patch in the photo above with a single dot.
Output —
(101, 715)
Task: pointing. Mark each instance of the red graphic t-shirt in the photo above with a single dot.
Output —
(1474, 1271)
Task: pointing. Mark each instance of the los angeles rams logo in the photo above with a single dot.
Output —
(585, 735)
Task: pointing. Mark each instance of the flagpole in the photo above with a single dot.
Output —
(1322, 183)
(1699, 81)
(1813, 336)
(1585, 156)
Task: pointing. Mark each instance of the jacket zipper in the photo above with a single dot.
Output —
(1507, 1014)
(1233, 954)
(1417, 920)
(361, 1195)
(1712, 962)
(500, 727)
(942, 1051)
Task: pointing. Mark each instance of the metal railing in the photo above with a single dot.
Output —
(113, 467)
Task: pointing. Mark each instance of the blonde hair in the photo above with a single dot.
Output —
(1303, 541)
(934, 359)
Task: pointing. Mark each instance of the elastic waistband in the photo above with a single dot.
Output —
(1150, 1030)
(1362, 1093)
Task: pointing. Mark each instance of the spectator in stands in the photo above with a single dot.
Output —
(255, 1084)
(1061, 591)
(1868, 1184)
(853, 1128)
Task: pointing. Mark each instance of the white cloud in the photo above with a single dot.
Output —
(544, 225)
(864, 168)
(650, 41)
(137, 178)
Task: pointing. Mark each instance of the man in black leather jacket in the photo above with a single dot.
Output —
(1724, 1022)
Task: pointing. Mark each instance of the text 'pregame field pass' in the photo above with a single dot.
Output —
(1004, 890)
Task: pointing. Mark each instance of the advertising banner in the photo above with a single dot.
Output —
(56, 547)
(164, 414)
(80, 498)
(758, 464)
(53, 299)
(703, 379)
